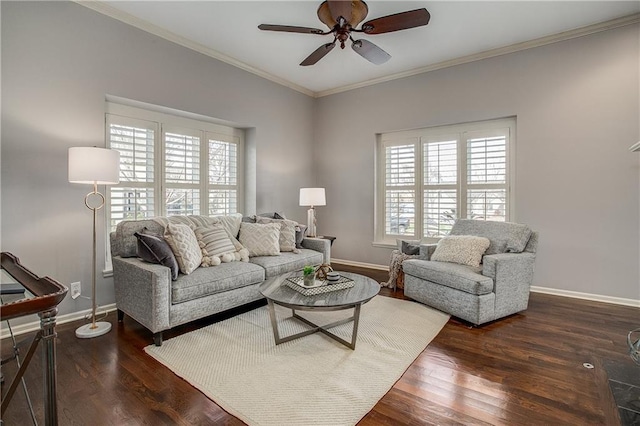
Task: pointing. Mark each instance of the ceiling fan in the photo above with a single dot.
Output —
(342, 17)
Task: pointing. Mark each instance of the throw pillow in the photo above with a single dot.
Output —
(215, 244)
(400, 244)
(273, 215)
(410, 248)
(287, 238)
(185, 247)
(231, 223)
(153, 248)
(301, 232)
(462, 249)
(260, 239)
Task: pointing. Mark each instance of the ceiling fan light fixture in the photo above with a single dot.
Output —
(359, 11)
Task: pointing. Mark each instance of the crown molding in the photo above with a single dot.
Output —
(141, 24)
(542, 41)
(112, 12)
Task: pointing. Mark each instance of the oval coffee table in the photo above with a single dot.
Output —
(278, 293)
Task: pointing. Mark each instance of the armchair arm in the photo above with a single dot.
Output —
(512, 275)
(143, 291)
(319, 244)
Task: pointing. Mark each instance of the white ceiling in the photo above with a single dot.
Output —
(228, 30)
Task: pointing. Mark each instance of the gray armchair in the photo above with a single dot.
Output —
(499, 287)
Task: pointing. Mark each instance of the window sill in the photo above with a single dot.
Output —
(382, 244)
(107, 273)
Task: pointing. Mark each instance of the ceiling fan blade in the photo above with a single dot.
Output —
(340, 8)
(290, 29)
(396, 22)
(318, 54)
(370, 51)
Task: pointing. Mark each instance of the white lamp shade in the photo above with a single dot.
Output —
(312, 197)
(94, 165)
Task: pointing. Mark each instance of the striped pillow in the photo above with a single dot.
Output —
(214, 240)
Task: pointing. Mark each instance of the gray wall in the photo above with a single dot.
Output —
(577, 105)
(59, 60)
(577, 108)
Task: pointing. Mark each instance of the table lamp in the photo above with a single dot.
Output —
(312, 197)
(94, 166)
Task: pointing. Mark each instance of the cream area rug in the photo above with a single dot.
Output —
(313, 380)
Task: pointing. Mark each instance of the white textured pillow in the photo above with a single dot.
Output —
(260, 239)
(462, 249)
(185, 246)
(231, 223)
(287, 239)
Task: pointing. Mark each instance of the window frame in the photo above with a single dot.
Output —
(420, 137)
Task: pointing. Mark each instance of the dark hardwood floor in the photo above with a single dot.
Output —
(526, 369)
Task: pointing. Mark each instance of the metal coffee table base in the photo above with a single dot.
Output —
(324, 329)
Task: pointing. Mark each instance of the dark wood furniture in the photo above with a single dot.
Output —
(46, 295)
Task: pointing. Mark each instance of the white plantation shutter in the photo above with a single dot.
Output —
(222, 175)
(458, 171)
(182, 172)
(440, 162)
(133, 197)
(400, 188)
(172, 165)
(487, 175)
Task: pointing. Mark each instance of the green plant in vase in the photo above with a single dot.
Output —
(309, 273)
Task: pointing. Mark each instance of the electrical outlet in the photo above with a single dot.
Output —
(76, 289)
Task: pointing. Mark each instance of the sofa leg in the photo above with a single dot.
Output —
(157, 339)
(120, 315)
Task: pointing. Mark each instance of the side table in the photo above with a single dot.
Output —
(327, 237)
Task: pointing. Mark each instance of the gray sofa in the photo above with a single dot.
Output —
(499, 287)
(146, 293)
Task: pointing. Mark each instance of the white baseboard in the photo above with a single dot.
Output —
(62, 319)
(360, 264)
(535, 289)
(587, 296)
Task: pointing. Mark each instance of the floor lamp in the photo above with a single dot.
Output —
(312, 197)
(94, 166)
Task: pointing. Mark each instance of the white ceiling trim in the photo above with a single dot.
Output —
(112, 12)
(542, 41)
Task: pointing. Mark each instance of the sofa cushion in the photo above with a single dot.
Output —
(461, 249)
(504, 237)
(287, 262)
(153, 248)
(184, 245)
(260, 239)
(207, 281)
(459, 277)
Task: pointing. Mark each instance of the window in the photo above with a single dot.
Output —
(427, 178)
(172, 165)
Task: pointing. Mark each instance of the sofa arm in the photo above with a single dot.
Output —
(426, 250)
(512, 275)
(143, 291)
(319, 244)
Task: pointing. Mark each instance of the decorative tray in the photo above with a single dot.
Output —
(321, 286)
